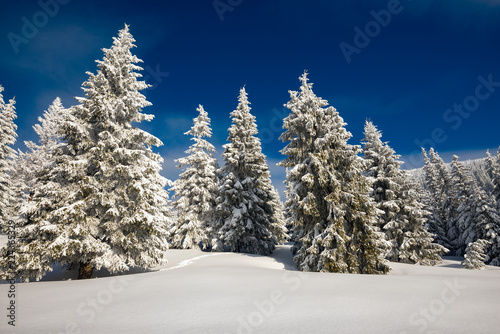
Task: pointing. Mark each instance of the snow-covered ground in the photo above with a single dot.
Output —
(236, 293)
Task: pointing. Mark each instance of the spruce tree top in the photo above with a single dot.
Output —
(7, 139)
(8, 128)
(307, 112)
(201, 125)
(242, 140)
(113, 98)
(384, 160)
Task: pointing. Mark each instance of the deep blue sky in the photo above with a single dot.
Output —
(425, 60)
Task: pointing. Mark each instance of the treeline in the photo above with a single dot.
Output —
(90, 195)
(465, 216)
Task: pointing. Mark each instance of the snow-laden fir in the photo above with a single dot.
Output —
(462, 211)
(249, 214)
(332, 215)
(196, 189)
(403, 219)
(7, 155)
(102, 201)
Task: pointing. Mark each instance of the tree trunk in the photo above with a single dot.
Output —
(85, 271)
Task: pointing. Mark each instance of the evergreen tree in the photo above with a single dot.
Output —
(278, 226)
(447, 191)
(196, 188)
(7, 155)
(487, 221)
(474, 254)
(383, 168)
(331, 212)
(437, 220)
(489, 164)
(394, 192)
(495, 171)
(462, 230)
(40, 156)
(245, 210)
(49, 134)
(102, 203)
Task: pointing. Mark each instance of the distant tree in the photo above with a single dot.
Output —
(196, 188)
(102, 203)
(246, 214)
(394, 192)
(278, 226)
(7, 155)
(447, 190)
(487, 221)
(489, 164)
(437, 218)
(462, 230)
(495, 172)
(332, 215)
(383, 169)
(474, 254)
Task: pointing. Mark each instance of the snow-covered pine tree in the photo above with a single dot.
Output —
(463, 230)
(474, 254)
(196, 188)
(331, 212)
(8, 137)
(40, 156)
(495, 171)
(447, 190)
(278, 226)
(394, 192)
(489, 164)
(25, 177)
(103, 202)
(487, 221)
(436, 220)
(383, 168)
(245, 211)
(49, 133)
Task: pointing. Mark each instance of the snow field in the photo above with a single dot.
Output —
(240, 293)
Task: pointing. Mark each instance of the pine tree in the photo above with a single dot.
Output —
(487, 221)
(462, 230)
(7, 155)
(40, 156)
(447, 192)
(383, 168)
(474, 254)
(245, 210)
(102, 202)
(437, 220)
(489, 164)
(49, 134)
(495, 171)
(196, 188)
(331, 212)
(278, 226)
(394, 192)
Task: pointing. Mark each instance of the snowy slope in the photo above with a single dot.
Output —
(236, 293)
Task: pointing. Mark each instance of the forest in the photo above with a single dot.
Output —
(89, 193)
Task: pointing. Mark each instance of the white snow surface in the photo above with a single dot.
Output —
(203, 292)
